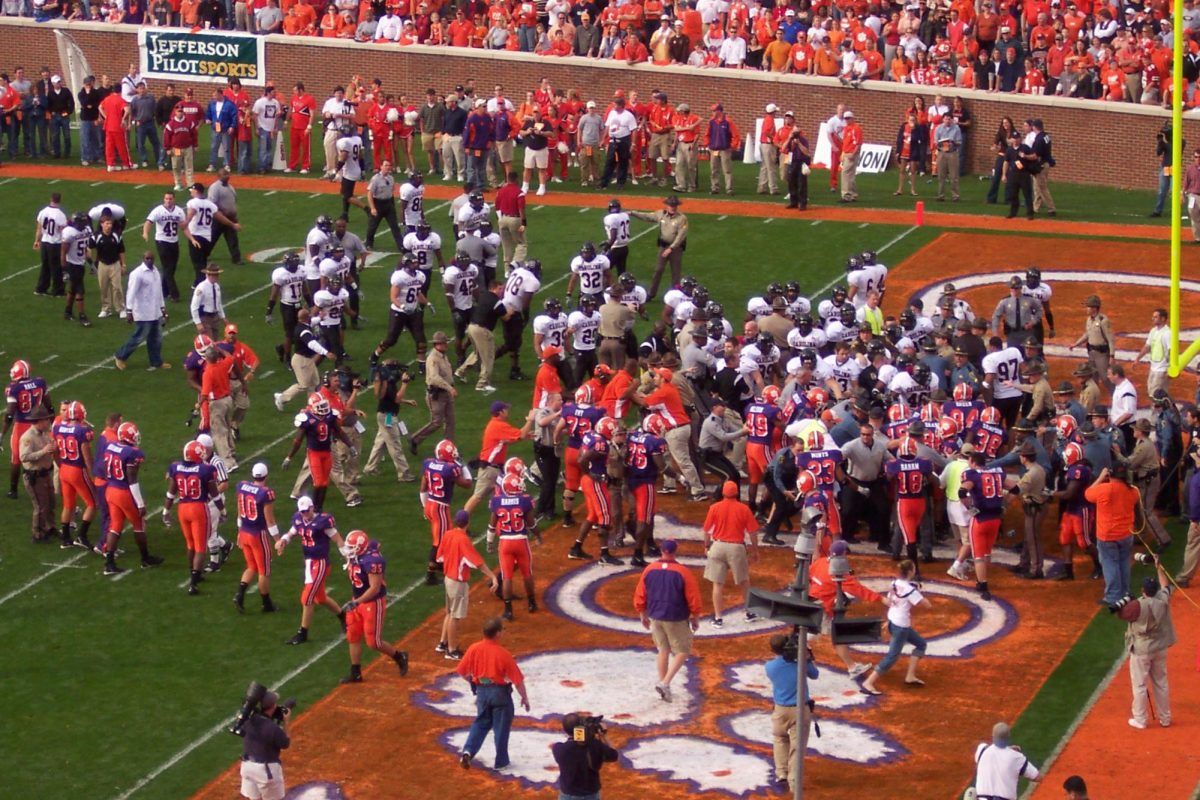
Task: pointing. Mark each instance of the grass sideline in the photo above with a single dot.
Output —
(134, 671)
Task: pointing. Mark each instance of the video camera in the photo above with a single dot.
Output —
(588, 729)
(390, 371)
(252, 704)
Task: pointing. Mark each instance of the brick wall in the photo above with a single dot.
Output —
(1081, 130)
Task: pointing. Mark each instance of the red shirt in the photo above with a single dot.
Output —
(457, 555)
(113, 109)
(487, 660)
(215, 383)
(303, 106)
(666, 401)
(510, 201)
(852, 138)
(730, 520)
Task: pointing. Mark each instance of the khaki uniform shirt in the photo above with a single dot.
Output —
(36, 449)
(1143, 461)
(778, 326)
(1042, 407)
(615, 319)
(672, 228)
(1032, 484)
(1089, 395)
(1099, 332)
(438, 374)
(1153, 630)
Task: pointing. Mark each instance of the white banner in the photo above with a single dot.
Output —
(824, 151)
(750, 151)
(874, 158)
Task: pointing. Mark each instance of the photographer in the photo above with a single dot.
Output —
(1162, 151)
(785, 733)
(581, 756)
(1149, 635)
(389, 384)
(264, 735)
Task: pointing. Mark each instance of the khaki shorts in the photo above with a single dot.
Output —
(726, 557)
(504, 150)
(429, 141)
(674, 636)
(485, 483)
(458, 594)
(660, 146)
(262, 781)
(539, 159)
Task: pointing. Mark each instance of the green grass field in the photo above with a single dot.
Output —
(118, 678)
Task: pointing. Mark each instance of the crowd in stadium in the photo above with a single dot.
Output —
(1114, 52)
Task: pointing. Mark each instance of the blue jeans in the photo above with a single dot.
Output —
(214, 150)
(494, 707)
(527, 36)
(60, 136)
(151, 334)
(39, 128)
(1115, 561)
(89, 143)
(148, 132)
(595, 796)
(477, 170)
(243, 165)
(1164, 188)
(266, 142)
(900, 637)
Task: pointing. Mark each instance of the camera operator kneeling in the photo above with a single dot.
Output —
(265, 734)
(581, 756)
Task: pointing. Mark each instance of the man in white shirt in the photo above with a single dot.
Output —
(1124, 404)
(388, 28)
(146, 310)
(337, 113)
(207, 306)
(1158, 347)
(733, 52)
(48, 239)
(620, 124)
(268, 111)
(835, 126)
(1000, 766)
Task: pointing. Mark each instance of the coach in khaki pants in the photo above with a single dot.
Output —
(108, 250)
(308, 353)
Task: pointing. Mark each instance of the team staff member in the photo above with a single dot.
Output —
(458, 557)
(247, 361)
(493, 674)
(619, 124)
(36, 449)
(262, 774)
(498, 434)
(308, 353)
(1117, 512)
(510, 211)
(147, 310)
(224, 197)
(107, 249)
(166, 218)
(768, 170)
(381, 205)
(390, 433)
(727, 526)
(201, 217)
(668, 598)
(672, 241)
(489, 309)
(1149, 635)
(47, 239)
(216, 389)
(687, 129)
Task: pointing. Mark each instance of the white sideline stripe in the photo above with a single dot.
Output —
(297, 671)
(1075, 723)
(139, 186)
(97, 183)
(56, 180)
(865, 224)
(722, 218)
(49, 358)
(817, 222)
(90, 368)
(19, 272)
(7, 180)
(584, 210)
(768, 220)
(565, 275)
(268, 194)
(839, 278)
(315, 195)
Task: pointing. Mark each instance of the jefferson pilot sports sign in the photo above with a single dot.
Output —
(202, 56)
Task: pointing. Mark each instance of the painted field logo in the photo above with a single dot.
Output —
(201, 56)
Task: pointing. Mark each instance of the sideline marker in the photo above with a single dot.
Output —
(920, 212)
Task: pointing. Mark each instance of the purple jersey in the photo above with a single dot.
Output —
(796, 408)
(965, 412)
(823, 465)
(194, 362)
(318, 429)
(252, 499)
(513, 513)
(640, 465)
(910, 476)
(72, 439)
(25, 396)
(898, 430)
(190, 482)
(580, 420)
(597, 467)
(315, 535)
(118, 459)
(440, 479)
(103, 440)
(760, 417)
(988, 438)
(369, 563)
(1079, 471)
(987, 491)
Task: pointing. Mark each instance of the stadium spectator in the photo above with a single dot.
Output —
(999, 766)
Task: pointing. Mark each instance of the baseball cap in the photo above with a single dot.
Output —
(551, 351)
(839, 548)
(729, 489)
(56, 79)
(305, 503)
(461, 518)
(231, 328)
(669, 546)
(772, 108)
(848, 114)
(259, 470)
(499, 406)
(591, 103)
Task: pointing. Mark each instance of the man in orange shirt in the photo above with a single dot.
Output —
(493, 674)
(458, 557)
(302, 106)
(1118, 513)
(659, 122)
(687, 128)
(852, 140)
(548, 379)
(460, 30)
(664, 398)
(823, 589)
(768, 168)
(727, 527)
(220, 370)
(498, 434)
(247, 361)
(800, 57)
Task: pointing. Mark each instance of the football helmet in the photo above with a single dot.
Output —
(897, 412)
(606, 427)
(583, 395)
(317, 404)
(627, 281)
(1066, 426)
(815, 440)
(194, 452)
(128, 433)
(774, 289)
(356, 544)
(553, 306)
(475, 198)
(415, 178)
(19, 371)
(907, 448)
(445, 450)
(817, 397)
(805, 482)
(991, 415)
(325, 223)
(963, 392)
(770, 394)
(948, 427)
(514, 466)
(1072, 454)
(848, 316)
(868, 257)
(853, 263)
(930, 412)
(202, 343)
(655, 424)
(512, 485)
(75, 412)
(614, 205)
(291, 262)
(588, 251)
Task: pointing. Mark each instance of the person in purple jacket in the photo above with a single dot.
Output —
(668, 598)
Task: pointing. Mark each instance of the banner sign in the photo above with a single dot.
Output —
(208, 56)
(874, 158)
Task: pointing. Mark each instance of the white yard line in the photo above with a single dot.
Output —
(49, 358)
(70, 562)
(97, 183)
(584, 210)
(768, 220)
(538, 208)
(864, 225)
(7, 180)
(19, 272)
(839, 278)
(315, 195)
(266, 375)
(722, 217)
(51, 564)
(56, 180)
(139, 186)
(221, 726)
(268, 194)
(817, 222)
(438, 207)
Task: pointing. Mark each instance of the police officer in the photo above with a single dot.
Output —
(1089, 389)
(1030, 488)
(36, 452)
(1168, 437)
(1098, 336)
(262, 774)
(1017, 316)
(963, 371)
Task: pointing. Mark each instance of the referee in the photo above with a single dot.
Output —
(262, 774)
(381, 205)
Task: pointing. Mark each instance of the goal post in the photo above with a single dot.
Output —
(1178, 360)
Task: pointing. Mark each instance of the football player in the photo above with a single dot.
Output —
(194, 484)
(122, 460)
(407, 309)
(616, 234)
(318, 427)
(316, 530)
(512, 521)
(73, 439)
(590, 270)
(439, 476)
(364, 614)
(24, 394)
(256, 530)
(593, 463)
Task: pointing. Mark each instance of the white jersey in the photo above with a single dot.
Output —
(799, 306)
(51, 220)
(115, 211)
(1042, 293)
(469, 218)
(886, 373)
(423, 249)
(837, 331)
(76, 241)
(758, 307)
(616, 229)
(827, 311)
(846, 373)
(552, 329)
(922, 328)
(1006, 366)
(340, 267)
(409, 284)
(460, 284)
(682, 314)
(412, 199)
(351, 146)
(753, 359)
(291, 285)
(905, 388)
(204, 214)
(635, 299)
(489, 254)
(815, 340)
(592, 274)
(674, 297)
(314, 249)
(818, 378)
(166, 223)
(520, 283)
(865, 280)
(585, 330)
(331, 305)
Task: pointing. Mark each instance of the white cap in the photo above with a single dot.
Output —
(205, 440)
(305, 503)
(259, 470)
(848, 114)
(772, 108)
(480, 103)
(56, 79)
(905, 343)
(791, 12)
(591, 103)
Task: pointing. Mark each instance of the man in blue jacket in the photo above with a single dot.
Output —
(222, 117)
